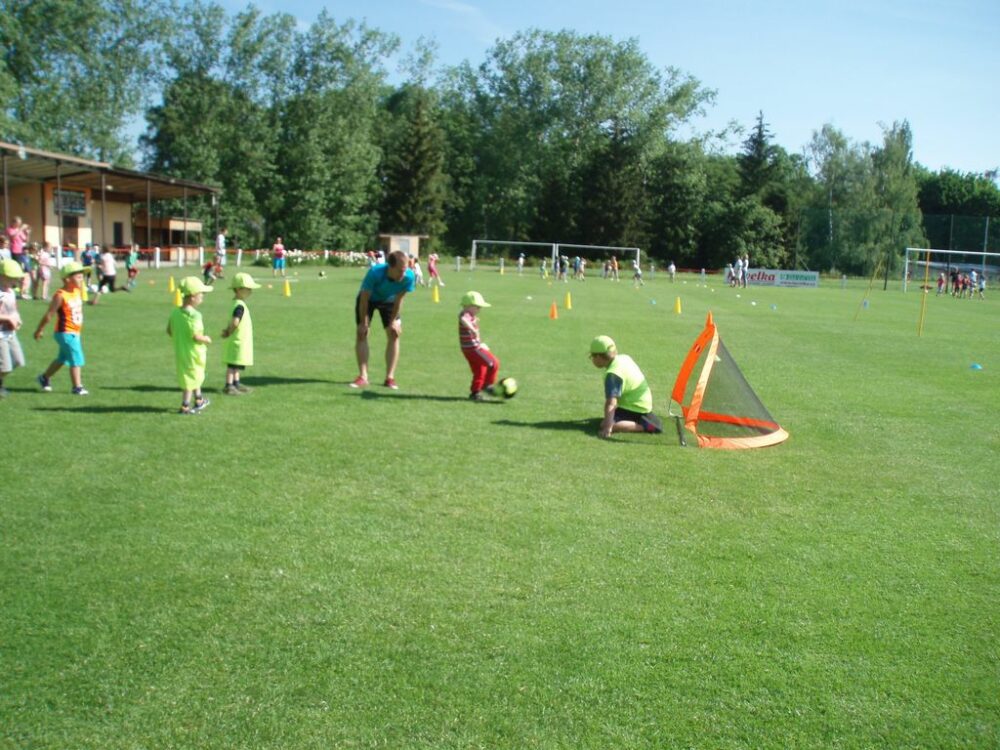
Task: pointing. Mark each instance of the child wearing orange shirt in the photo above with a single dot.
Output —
(67, 307)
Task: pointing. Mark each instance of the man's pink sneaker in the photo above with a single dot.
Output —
(359, 382)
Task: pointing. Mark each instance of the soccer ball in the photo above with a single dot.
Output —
(507, 388)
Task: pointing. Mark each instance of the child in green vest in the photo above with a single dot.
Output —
(239, 335)
(628, 401)
(187, 329)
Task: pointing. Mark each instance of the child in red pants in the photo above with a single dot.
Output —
(483, 363)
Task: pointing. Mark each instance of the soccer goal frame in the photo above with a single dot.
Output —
(922, 257)
(557, 247)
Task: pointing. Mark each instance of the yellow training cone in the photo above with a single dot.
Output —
(677, 306)
(435, 294)
(569, 301)
(83, 291)
(170, 285)
(288, 289)
(178, 299)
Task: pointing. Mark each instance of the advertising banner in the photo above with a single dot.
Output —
(768, 277)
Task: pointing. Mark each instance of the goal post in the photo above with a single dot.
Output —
(510, 243)
(556, 249)
(945, 260)
(601, 248)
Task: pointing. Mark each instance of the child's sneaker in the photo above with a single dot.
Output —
(477, 396)
(391, 383)
(240, 388)
(359, 382)
(43, 383)
(200, 404)
(231, 390)
(4, 393)
(186, 411)
(79, 391)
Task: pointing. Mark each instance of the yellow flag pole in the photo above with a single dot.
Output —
(923, 297)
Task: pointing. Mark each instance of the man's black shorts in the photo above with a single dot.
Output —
(650, 422)
(384, 310)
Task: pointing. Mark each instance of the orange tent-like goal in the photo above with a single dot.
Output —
(718, 406)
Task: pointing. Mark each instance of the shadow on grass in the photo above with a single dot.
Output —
(107, 409)
(371, 394)
(277, 380)
(590, 425)
(140, 388)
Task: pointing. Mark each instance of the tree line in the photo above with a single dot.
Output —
(554, 136)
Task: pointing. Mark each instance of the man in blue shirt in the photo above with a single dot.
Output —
(382, 289)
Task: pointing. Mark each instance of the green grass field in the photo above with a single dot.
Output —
(311, 566)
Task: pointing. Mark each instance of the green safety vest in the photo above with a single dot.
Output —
(636, 395)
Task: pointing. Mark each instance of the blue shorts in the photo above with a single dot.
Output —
(279, 264)
(70, 350)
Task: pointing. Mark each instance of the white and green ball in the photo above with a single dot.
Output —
(506, 387)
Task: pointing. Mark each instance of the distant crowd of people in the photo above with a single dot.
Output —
(962, 285)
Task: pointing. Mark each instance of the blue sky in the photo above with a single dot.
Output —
(850, 63)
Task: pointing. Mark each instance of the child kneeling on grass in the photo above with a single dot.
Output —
(239, 335)
(482, 361)
(187, 329)
(628, 401)
(67, 306)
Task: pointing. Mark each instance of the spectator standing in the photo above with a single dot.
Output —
(278, 258)
(220, 251)
(18, 234)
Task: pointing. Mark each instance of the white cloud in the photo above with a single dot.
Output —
(470, 19)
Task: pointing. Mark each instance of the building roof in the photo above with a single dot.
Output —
(29, 165)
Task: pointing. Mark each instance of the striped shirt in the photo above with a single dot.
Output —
(468, 330)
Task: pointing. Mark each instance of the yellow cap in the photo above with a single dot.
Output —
(11, 269)
(70, 268)
(474, 298)
(603, 345)
(243, 280)
(190, 285)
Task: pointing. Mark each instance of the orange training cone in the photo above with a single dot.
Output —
(677, 306)
(435, 294)
(170, 284)
(554, 311)
(288, 289)
(569, 301)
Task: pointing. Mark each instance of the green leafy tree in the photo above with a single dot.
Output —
(536, 114)
(678, 188)
(614, 199)
(328, 152)
(75, 71)
(415, 185)
(896, 188)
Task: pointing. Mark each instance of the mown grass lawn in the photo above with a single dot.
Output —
(311, 566)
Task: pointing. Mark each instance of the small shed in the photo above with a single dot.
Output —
(407, 243)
